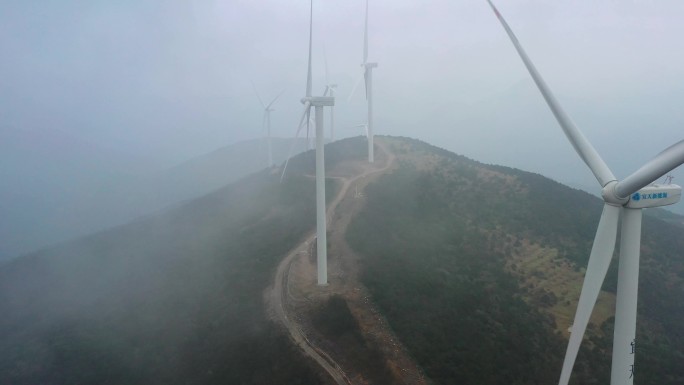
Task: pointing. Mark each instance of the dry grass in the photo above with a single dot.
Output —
(540, 270)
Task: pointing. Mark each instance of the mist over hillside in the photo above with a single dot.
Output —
(74, 187)
(173, 298)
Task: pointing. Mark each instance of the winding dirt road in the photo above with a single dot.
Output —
(276, 295)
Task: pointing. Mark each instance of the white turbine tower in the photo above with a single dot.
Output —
(627, 197)
(318, 102)
(266, 122)
(368, 80)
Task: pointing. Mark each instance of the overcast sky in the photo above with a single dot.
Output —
(171, 79)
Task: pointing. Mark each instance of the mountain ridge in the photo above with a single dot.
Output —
(463, 260)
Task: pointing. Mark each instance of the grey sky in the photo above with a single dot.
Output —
(170, 79)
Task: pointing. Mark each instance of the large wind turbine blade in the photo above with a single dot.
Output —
(365, 37)
(274, 99)
(365, 81)
(583, 147)
(599, 260)
(660, 165)
(356, 85)
(308, 75)
(257, 94)
(294, 142)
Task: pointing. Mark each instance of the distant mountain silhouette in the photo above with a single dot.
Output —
(57, 187)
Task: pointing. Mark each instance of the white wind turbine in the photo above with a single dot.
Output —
(626, 197)
(318, 102)
(267, 121)
(365, 128)
(368, 80)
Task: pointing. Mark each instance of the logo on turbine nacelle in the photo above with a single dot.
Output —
(638, 196)
(654, 196)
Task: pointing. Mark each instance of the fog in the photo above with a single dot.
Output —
(92, 93)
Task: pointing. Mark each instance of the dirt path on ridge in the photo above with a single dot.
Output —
(295, 288)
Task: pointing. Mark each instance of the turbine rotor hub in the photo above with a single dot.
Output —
(610, 196)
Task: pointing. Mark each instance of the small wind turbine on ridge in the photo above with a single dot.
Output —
(624, 200)
(318, 102)
(368, 80)
(365, 128)
(266, 122)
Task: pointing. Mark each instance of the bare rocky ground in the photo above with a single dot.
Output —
(295, 295)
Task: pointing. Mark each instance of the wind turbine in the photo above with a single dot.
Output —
(365, 128)
(318, 102)
(627, 198)
(368, 80)
(267, 121)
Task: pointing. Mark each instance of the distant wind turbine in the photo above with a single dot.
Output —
(368, 80)
(627, 197)
(365, 128)
(318, 102)
(266, 122)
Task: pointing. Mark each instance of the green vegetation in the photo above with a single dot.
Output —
(175, 298)
(435, 236)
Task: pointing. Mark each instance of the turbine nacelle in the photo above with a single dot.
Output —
(323, 101)
(657, 195)
(369, 65)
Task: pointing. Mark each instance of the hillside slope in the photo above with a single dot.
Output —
(175, 298)
(478, 270)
